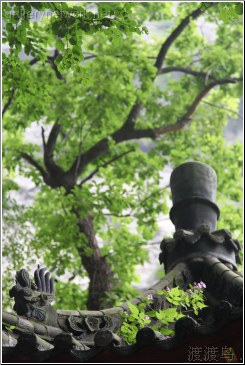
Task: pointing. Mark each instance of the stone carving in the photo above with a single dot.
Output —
(108, 322)
(90, 324)
(33, 299)
(83, 334)
(75, 324)
(93, 323)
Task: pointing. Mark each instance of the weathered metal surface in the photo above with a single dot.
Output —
(193, 187)
(200, 242)
(226, 284)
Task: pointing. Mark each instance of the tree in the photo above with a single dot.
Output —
(96, 87)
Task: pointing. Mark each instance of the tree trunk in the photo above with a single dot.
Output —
(98, 270)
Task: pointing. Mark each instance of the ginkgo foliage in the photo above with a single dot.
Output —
(98, 84)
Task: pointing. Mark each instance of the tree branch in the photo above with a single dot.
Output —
(50, 146)
(187, 116)
(222, 107)
(134, 113)
(52, 139)
(174, 35)
(9, 102)
(50, 60)
(88, 56)
(115, 158)
(59, 11)
(118, 215)
(119, 136)
(149, 196)
(123, 134)
(127, 132)
(33, 61)
(43, 138)
(185, 70)
(130, 214)
(132, 116)
(156, 132)
(34, 163)
(161, 58)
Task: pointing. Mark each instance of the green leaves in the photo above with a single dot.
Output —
(230, 11)
(9, 27)
(103, 67)
(69, 57)
(192, 298)
(59, 28)
(239, 8)
(134, 310)
(60, 46)
(129, 332)
(8, 328)
(169, 315)
(133, 321)
(162, 320)
(66, 28)
(167, 332)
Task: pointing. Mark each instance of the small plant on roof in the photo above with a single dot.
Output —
(143, 314)
(8, 327)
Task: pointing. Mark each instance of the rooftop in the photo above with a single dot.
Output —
(196, 253)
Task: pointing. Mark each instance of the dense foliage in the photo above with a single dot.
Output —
(99, 89)
(181, 303)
